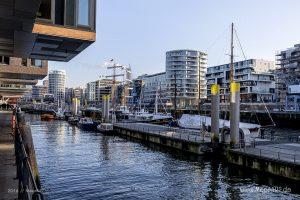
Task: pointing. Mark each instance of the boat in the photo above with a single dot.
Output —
(47, 117)
(86, 123)
(105, 128)
(161, 118)
(73, 120)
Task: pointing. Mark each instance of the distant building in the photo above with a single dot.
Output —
(79, 93)
(186, 69)
(69, 95)
(254, 75)
(154, 85)
(91, 91)
(288, 78)
(96, 90)
(38, 92)
(57, 84)
(136, 93)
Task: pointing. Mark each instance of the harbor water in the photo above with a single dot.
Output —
(77, 164)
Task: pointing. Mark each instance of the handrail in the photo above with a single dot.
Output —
(28, 189)
(279, 155)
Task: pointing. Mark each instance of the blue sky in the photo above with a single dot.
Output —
(139, 32)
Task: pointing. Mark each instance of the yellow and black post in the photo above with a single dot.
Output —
(215, 113)
(234, 113)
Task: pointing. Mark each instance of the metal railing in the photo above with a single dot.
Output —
(27, 186)
(272, 154)
(176, 133)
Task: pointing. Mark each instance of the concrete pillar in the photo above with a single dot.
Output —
(234, 113)
(215, 112)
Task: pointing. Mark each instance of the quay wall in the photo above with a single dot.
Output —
(272, 166)
(175, 143)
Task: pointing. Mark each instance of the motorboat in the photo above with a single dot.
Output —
(86, 123)
(73, 120)
(105, 128)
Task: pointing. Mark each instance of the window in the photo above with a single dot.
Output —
(36, 63)
(45, 10)
(70, 12)
(24, 62)
(4, 60)
(83, 12)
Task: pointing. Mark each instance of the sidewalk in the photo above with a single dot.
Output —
(9, 186)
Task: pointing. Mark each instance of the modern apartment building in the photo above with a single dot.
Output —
(186, 69)
(254, 75)
(154, 85)
(57, 84)
(288, 78)
(17, 76)
(46, 29)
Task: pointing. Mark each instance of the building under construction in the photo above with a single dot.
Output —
(288, 78)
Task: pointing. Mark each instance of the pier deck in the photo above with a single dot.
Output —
(287, 152)
(176, 133)
(191, 141)
(9, 185)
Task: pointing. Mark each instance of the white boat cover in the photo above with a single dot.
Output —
(196, 121)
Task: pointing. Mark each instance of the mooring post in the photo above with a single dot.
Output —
(234, 113)
(215, 113)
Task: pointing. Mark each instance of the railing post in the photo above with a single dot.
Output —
(278, 156)
(294, 158)
(259, 152)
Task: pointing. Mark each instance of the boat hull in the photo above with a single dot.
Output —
(88, 127)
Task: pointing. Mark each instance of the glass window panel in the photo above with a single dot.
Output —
(6, 60)
(45, 10)
(70, 12)
(83, 12)
(24, 62)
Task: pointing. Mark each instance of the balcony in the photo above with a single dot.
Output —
(46, 29)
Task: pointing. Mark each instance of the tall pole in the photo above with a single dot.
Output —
(113, 87)
(199, 89)
(175, 95)
(234, 101)
(231, 55)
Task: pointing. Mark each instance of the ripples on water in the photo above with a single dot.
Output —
(76, 164)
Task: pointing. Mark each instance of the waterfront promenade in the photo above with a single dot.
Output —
(7, 159)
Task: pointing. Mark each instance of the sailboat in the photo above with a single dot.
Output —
(153, 118)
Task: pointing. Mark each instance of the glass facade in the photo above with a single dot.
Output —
(83, 12)
(36, 63)
(73, 13)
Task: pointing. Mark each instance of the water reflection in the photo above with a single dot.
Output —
(76, 164)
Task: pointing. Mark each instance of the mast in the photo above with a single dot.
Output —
(231, 55)
(199, 89)
(175, 95)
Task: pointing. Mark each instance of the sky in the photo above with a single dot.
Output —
(139, 32)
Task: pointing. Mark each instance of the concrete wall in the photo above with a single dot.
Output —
(186, 146)
(275, 167)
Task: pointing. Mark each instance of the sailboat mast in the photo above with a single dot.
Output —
(231, 55)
